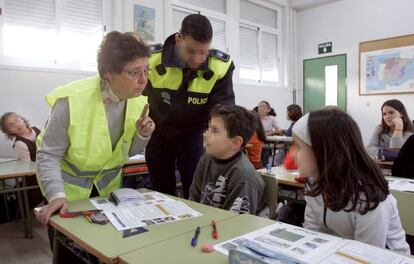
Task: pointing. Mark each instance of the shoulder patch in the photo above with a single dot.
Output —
(155, 47)
(219, 54)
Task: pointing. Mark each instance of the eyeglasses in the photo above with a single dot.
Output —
(135, 74)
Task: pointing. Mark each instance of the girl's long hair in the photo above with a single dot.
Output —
(348, 178)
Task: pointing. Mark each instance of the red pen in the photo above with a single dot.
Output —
(79, 213)
(215, 232)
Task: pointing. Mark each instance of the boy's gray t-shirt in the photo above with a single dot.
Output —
(231, 184)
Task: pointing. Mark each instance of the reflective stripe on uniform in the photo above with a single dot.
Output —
(107, 177)
(77, 181)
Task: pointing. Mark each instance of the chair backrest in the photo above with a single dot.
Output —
(405, 203)
(270, 193)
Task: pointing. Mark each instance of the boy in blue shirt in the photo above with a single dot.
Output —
(224, 177)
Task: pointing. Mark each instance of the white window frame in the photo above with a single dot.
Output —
(263, 28)
(185, 7)
(53, 65)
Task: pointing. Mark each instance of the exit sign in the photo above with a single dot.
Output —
(325, 47)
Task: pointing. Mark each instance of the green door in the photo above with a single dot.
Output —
(324, 82)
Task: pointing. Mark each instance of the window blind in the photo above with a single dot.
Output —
(249, 54)
(29, 29)
(216, 5)
(258, 14)
(80, 21)
(269, 57)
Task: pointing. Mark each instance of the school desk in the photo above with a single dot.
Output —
(276, 141)
(283, 177)
(106, 243)
(179, 250)
(18, 170)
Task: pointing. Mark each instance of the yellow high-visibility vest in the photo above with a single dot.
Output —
(90, 159)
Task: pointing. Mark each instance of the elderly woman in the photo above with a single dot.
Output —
(94, 125)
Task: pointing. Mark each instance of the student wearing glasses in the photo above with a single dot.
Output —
(94, 125)
(187, 80)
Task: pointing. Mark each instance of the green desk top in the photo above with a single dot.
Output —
(179, 249)
(105, 242)
(17, 168)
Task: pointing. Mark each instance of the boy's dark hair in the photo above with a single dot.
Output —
(348, 177)
(117, 49)
(238, 121)
(5, 129)
(294, 112)
(399, 106)
(198, 27)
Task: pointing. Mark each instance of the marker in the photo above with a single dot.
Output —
(195, 238)
(79, 213)
(215, 232)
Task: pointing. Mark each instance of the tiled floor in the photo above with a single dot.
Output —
(14, 248)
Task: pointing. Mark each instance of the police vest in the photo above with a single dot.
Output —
(165, 77)
(90, 158)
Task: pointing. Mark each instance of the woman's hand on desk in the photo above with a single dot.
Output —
(43, 215)
(145, 126)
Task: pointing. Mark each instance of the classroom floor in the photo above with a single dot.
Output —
(14, 248)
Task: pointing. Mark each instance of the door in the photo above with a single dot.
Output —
(324, 82)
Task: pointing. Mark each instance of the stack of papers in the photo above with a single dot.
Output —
(155, 208)
(126, 195)
(403, 185)
(283, 243)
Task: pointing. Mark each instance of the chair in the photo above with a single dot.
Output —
(270, 193)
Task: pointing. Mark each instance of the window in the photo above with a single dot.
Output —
(214, 10)
(259, 34)
(63, 33)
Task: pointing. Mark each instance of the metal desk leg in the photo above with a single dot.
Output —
(22, 210)
(28, 213)
(56, 245)
(6, 204)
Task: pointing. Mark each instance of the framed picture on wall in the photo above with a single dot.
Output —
(145, 17)
(144, 21)
(386, 66)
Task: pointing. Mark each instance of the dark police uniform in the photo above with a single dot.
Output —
(180, 100)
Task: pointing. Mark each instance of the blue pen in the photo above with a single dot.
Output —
(195, 238)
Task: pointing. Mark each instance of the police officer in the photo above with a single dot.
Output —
(186, 81)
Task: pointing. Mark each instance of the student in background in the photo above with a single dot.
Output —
(224, 177)
(394, 129)
(254, 150)
(95, 123)
(403, 165)
(346, 194)
(293, 112)
(17, 128)
(268, 117)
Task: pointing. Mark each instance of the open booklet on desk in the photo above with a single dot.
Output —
(155, 208)
(286, 244)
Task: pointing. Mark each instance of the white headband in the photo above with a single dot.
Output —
(300, 129)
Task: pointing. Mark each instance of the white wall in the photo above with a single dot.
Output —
(346, 23)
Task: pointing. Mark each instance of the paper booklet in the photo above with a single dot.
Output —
(126, 195)
(154, 208)
(281, 243)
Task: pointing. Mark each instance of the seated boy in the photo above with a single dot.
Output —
(224, 177)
